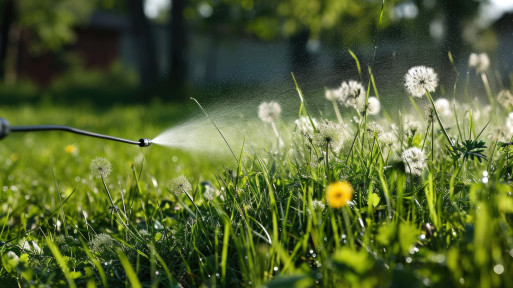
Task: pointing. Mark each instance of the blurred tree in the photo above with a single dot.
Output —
(304, 23)
(8, 12)
(457, 13)
(348, 23)
(49, 24)
(178, 47)
(144, 44)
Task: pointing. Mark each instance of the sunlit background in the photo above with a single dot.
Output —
(110, 51)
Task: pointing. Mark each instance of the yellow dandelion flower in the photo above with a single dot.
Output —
(339, 193)
(14, 157)
(71, 149)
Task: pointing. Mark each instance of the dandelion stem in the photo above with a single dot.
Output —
(192, 200)
(337, 112)
(352, 144)
(280, 141)
(432, 141)
(108, 193)
(486, 84)
(327, 162)
(438, 118)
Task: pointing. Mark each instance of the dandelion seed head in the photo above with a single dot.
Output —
(443, 107)
(339, 193)
(419, 79)
(318, 205)
(373, 106)
(509, 124)
(387, 138)
(374, 129)
(480, 62)
(269, 111)
(351, 93)
(328, 134)
(429, 113)
(411, 127)
(209, 194)
(180, 184)
(100, 167)
(414, 160)
(305, 126)
(333, 94)
(104, 245)
(505, 98)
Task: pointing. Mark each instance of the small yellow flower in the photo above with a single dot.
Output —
(71, 149)
(14, 157)
(339, 193)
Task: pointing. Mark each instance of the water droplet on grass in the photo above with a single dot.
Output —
(275, 268)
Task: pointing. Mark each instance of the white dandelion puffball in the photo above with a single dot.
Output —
(269, 111)
(333, 94)
(305, 126)
(352, 92)
(373, 106)
(509, 123)
(374, 129)
(100, 167)
(505, 98)
(328, 134)
(420, 79)
(414, 161)
(429, 113)
(318, 205)
(480, 62)
(411, 127)
(387, 138)
(180, 184)
(443, 107)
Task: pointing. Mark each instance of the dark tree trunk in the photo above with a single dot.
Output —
(178, 48)
(300, 58)
(144, 44)
(7, 19)
(454, 34)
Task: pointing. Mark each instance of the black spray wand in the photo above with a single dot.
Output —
(6, 128)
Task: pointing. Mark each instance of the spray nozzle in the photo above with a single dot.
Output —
(144, 142)
(6, 128)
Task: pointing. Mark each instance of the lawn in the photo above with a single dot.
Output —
(384, 199)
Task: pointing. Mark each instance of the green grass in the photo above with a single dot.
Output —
(259, 221)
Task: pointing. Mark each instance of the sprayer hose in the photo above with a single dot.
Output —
(34, 128)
